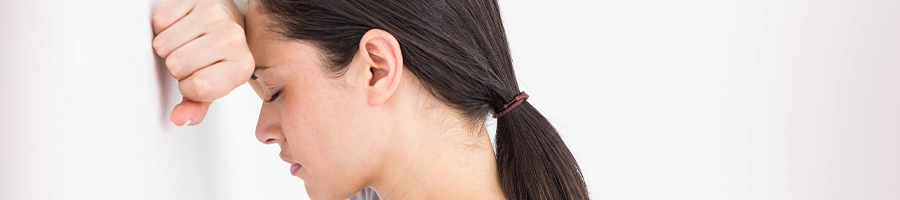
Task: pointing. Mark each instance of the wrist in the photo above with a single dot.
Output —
(232, 8)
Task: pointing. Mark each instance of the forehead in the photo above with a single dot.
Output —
(269, 48)
(257, 25)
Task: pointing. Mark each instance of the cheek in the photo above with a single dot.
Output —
(311, 116)
(327, 134)
(321, 123)
(314, 109)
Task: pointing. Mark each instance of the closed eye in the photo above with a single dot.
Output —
(275, 96)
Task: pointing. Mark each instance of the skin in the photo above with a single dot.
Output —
(375, 126)
(205, 48)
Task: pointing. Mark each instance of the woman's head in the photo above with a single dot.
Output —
(347, 71)
(332, 126)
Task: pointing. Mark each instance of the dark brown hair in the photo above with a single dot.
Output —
(458, 49)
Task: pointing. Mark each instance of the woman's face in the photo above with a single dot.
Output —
(321, 123)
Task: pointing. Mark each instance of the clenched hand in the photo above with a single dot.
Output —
(205, 48)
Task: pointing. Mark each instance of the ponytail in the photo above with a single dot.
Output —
(532, 159)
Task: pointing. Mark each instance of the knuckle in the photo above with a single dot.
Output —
(225, 34)
(225, 26)
(223, 45)
(232, 35)
(250, 62)
(157, 20)
(238, 32)
(235, 39)
(201, 89)
(159, 46)
(246, 66)
(173, 63)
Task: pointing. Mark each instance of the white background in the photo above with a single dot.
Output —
(689, 99)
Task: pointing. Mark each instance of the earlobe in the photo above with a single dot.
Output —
(385, 62)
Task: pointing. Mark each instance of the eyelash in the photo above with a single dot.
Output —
(275, 96)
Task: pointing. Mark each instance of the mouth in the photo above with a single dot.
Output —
(294, 165)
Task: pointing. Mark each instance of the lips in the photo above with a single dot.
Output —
(294, 165)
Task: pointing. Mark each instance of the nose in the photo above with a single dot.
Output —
(268, 128)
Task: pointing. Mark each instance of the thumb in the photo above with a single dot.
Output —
(189, 112)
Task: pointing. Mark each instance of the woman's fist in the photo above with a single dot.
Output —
(205, 48)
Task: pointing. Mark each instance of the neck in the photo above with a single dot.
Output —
(439, 156)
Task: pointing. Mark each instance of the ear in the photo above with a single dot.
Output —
(380, 51)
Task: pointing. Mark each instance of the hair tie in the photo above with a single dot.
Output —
(511, 105)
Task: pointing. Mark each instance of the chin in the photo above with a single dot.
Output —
(324, 193)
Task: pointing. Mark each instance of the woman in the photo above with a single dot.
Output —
(393, 95)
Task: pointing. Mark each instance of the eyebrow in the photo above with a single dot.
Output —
(257, 69)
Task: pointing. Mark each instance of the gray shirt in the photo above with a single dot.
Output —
(365, 194)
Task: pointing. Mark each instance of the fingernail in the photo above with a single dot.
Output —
(188, 122)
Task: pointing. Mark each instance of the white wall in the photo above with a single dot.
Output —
(685, 99)
(705, 99)
(86, 108)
